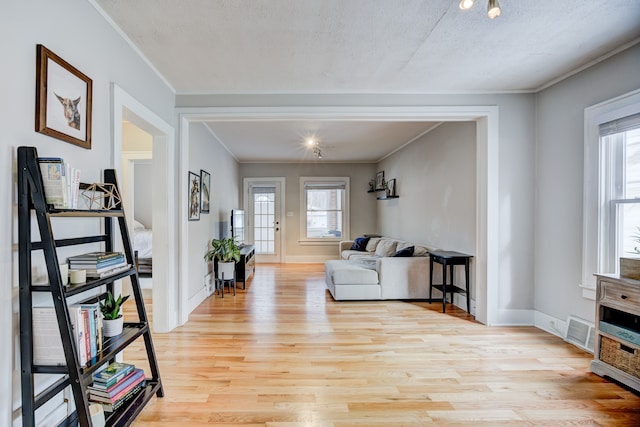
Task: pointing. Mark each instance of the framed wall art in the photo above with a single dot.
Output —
(380, 180)
(194, 197)
(391, 186)
(63, 99)
(205, 194)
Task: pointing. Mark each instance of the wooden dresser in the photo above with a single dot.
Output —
(617, 343)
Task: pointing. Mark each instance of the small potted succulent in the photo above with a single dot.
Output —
(112, 319)
(227, 252)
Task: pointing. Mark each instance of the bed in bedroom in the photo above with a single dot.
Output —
(142, 244)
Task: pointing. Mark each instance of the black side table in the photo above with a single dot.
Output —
(449, 258)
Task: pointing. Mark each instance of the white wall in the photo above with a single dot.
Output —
(436, 181)
(205, 152)
(559, 173)
(85, 40)
(143, 202)
(362, 204)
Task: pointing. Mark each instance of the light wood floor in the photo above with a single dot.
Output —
(284, 354)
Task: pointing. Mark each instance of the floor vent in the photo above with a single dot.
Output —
(581, 333)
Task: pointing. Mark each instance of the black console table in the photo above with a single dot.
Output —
(247, 265)
(449, 258)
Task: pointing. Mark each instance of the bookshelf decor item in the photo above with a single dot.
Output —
(66, 338)
(102, 196)
(63, 99)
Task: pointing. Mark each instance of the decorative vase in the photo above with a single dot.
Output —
(226, 268)
(112, 327)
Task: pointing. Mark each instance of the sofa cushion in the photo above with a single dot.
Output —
(372, 244)
(386, 247)
(360, 244)
(346, 273)
(405, 252)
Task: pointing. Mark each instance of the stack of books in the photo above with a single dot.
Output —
(61, 182)
(116, 384)
(99, 265)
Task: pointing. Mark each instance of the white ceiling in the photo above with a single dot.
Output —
(364, 46)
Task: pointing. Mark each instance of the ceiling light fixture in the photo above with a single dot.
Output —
(466, 4)
(493, 7)
(315, 145)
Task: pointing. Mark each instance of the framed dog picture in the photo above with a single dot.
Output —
(63, 99)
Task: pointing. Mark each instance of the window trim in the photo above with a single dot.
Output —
(304, 240)
(592, 231)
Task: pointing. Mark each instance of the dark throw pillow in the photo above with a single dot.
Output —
(405, 252)
(360, 244)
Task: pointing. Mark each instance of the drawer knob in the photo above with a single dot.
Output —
(623, 296)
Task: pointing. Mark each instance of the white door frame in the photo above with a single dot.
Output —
(487, 256)
(165, 305)
(246, 200)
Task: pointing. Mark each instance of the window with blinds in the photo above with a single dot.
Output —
(324, 206)
(620, 190)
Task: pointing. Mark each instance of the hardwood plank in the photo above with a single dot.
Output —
(282, 353)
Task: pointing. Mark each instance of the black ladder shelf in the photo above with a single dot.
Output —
(31, 197)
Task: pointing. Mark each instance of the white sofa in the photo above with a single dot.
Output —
(375, 274)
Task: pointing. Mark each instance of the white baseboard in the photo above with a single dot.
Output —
(308, 259)
(550, 324)
(514, 317)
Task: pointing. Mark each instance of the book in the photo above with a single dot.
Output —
(109, 272)
(93, 311)
(100, 389)
(47, 344)
(77, 321)
(95, 256)
(112, 373)
(92, 272)
(97, 264)
(53, 171)
(116, 392)
(110, 407)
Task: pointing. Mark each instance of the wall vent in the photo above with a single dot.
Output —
(580, 333)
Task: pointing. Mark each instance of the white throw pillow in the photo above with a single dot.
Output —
(386, 247)
(420, 251)
(372, 244)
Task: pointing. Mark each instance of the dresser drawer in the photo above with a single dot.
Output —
(619, 295)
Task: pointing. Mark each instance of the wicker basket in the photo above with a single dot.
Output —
(618, 355)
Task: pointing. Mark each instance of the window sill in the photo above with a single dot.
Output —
(327, 242)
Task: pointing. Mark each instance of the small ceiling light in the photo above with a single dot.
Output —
(317, 152)
(466, 4)
(311, 142)
(493, 9)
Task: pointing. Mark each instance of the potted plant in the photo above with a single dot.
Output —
(227, 252)
(112, 318)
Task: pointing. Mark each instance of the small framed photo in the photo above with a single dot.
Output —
(392, 187)
(380, 180)
(194, 197)
(205, 183)
(63, 99)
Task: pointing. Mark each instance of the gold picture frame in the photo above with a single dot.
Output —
(63, 99)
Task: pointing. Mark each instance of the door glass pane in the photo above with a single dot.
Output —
(264, 207)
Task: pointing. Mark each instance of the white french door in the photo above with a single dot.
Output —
(264, 204)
